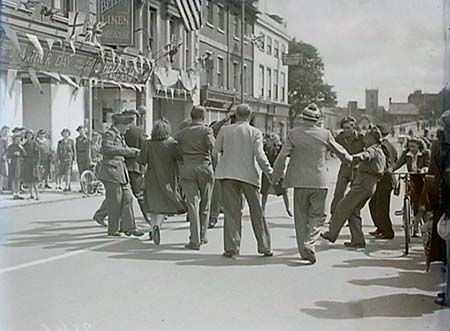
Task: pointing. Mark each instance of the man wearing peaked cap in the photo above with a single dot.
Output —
(307, 146)
(82, 148)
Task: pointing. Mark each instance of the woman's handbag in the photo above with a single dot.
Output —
(443, 227)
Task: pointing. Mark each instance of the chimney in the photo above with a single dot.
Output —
(390, 100)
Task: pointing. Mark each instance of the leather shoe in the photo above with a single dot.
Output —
(230, 254)
(100, 222)
(309, 255)
(114, 234)
(195, 247)
(136, 233)
(326, 236)
(268, 253)
(156, 235)
(204, 241)
(376, 232)
(384, 236)
(354, 245)
(212, 222)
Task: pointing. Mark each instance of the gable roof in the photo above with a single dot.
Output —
(403, 108)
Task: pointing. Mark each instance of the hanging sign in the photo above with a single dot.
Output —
(118, 18)
(122, 71)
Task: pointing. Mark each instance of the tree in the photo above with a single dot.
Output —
(306, 83)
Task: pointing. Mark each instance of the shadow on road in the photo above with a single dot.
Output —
(394, 305)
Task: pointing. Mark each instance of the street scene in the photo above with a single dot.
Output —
(224, 165)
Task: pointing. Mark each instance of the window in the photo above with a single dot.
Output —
(220, 79)
(209, 12)
(236, 76)
(276, 48)
(246, 79)
(262, 42)
(187, 49)
(269, 45)
(283, 86)
(236, 24)
(269, 83)
(283, 49)
(209, 66)
(261, 81)
(152, 33)
(275, 84)
(221, 14)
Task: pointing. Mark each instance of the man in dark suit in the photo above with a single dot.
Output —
(114, 175)
(135, 137)
(380, 204)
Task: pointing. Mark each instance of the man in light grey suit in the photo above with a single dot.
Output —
(307, 146)
(241, 146)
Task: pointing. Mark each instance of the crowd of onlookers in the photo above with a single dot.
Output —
(29, 162)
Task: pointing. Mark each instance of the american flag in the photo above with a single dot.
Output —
(191, 13)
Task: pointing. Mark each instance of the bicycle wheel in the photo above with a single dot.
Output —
(407, 223)
(88, 183)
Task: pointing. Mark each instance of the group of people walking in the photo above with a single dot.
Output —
(28, 159)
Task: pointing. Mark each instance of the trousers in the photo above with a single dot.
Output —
(216, 200)
(309, 216)
(232, 192)
(119, 204)
(196, 180)
(349, 208)
(345, 176)
(380, 206)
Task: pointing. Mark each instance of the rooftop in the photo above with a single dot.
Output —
(403, 108)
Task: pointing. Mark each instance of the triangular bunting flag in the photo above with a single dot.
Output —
(52, 75)
(50, 43)
(113, 56)
(12, 36)
(35, 41)
(72, 45)
(35, 80)
(69, 81)
(11, 76)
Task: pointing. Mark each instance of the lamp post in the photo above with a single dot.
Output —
(242, 50)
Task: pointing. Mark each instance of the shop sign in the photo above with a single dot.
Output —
(120, 72)
(118, 16)
(57, 60)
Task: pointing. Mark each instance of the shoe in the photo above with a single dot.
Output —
(308, 255)
(354, 245)
(195, 247)
(326, 236)
(31, 197)
(212, 222)
(70, 189)
(19, 197)
(15, 197)
(204, 241)
(114, 234)
(289, 213)
(66, 190)
(441, 301)
(47, 186)
(384, 236)
(80, 191)
(415, 235)
(100, 222)
(135, 233)
(59, 188)
(441, 295)
(376, 232)
(156, 235)
(230, 254)
(268, 254)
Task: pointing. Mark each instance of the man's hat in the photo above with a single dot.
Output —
(41, 131)
(375, 133)
(383, 130)
(16, 130)
(80, 127)
(4, 127)
(122, 119)
(131, 112)
(311, 113)
(445, 117)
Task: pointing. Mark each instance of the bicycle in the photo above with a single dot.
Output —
(90, 185)
(406, 210)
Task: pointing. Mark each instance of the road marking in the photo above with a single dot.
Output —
(84, 250)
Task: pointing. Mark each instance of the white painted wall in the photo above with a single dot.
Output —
(11, 104)
(36, 107)
(67, 110)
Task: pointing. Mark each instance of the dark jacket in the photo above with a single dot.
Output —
(134, 137)
(195, 143)
(390, 152)
(114, 150)
(82, 145)
(353, 145)
(65, 151)
(423, 160)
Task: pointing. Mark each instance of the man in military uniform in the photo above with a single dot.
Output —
(82, 147)
(114, 175)
(353, 142)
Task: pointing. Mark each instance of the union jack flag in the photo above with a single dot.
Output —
(191, 13)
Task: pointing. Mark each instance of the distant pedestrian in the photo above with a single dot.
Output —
(3, 157)
(162, 194)
(241, 146)
(65, 154)
(195, 145)
(83, 153)
(31, 170)
(272, 148)
(46, 156)
(307, 146)
(16, 154)
(372, 167)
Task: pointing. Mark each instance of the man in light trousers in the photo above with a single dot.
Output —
(241, 146)
(307, 146)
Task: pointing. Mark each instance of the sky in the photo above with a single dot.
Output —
(397, 46)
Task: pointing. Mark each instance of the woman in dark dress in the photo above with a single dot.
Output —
(65, 154)
(31, 173)
(161, 193)
(15, 154)
(272, 148)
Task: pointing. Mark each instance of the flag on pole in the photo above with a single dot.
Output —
(191, 13)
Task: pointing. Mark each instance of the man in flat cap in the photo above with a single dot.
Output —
(45, 155)
(380, 204)
(114, 175)
(135, 137)
(307, 146)
(82, 147)
(372, 165)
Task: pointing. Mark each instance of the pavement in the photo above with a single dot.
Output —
(59, 271)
